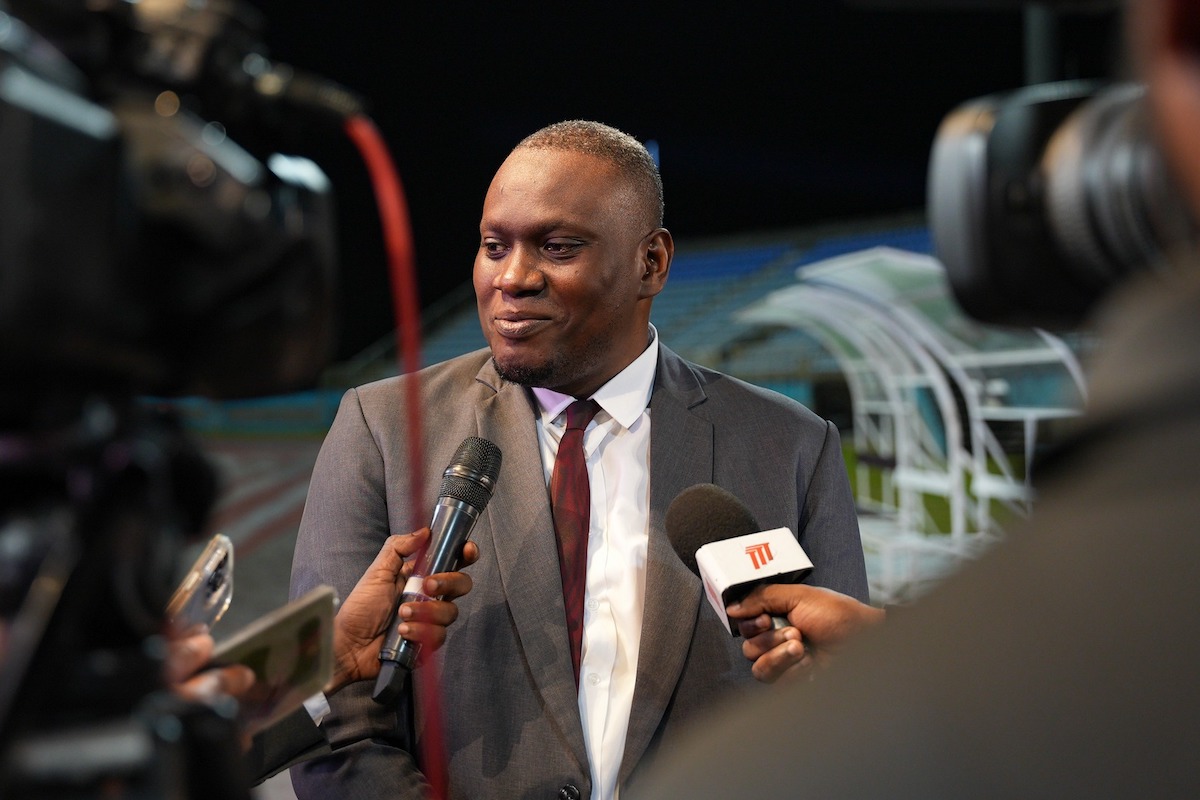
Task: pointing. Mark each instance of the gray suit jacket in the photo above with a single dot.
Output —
(511, 720)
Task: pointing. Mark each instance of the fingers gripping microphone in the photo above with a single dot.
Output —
(719, 540)
(467, 486)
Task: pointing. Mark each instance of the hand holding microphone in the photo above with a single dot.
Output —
(820, 622)
(363, 618)
(719, 540)
(751, 576)
(467, 486)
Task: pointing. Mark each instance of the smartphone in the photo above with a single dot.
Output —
(207, 588)
(290, 651)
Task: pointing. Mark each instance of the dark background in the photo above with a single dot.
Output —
(767, 115)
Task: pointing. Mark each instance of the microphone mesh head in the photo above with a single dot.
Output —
(702, 514)
(472, 473)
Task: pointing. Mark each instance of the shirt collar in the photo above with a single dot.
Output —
(624, 397)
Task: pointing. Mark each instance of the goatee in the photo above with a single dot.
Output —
(524, 375)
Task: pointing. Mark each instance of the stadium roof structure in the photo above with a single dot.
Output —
(929, 389)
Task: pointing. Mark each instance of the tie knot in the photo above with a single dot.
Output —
(580, 413)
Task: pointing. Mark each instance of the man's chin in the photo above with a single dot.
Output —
(523, 374)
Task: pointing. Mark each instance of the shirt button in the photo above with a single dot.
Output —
(593, 679)
(592, 605)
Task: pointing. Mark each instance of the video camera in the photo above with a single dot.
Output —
(1043, 199)
(153, 241)
(149, 236)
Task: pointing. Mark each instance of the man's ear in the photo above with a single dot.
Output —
(1166, 43)
(658, 250)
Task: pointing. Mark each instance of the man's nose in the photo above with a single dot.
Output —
(522, 273)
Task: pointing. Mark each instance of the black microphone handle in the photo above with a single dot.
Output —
(452, 522)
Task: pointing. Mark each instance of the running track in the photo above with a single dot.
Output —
(263, 485)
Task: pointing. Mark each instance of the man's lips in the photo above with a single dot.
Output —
(515, 327)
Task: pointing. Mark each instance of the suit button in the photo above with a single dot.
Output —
(569, 792)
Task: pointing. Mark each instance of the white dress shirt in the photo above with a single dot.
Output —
(617, 449)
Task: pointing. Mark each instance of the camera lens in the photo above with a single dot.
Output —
(1109, 199)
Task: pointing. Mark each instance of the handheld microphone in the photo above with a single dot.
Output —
(719, 540)
(467, 486)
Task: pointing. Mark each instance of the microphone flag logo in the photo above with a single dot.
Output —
(760, 554)
(736, 565)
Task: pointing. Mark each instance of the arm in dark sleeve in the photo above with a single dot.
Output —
(293, 739)
(370, 756)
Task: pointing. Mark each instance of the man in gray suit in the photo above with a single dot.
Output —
(572, 253)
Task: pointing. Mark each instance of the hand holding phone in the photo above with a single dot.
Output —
(290, 651)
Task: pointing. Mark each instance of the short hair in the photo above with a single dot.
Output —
(618, 148)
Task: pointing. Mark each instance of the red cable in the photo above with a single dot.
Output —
(398, 244)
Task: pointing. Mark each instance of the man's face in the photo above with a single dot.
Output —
(560, 276)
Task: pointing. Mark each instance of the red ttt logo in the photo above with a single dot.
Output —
(759, 554)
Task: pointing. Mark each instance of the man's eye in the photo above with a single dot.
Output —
(492, 248)
(556, 247)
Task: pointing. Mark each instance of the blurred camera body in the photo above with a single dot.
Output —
(141, 246)
(1043, 199)
(152, 242)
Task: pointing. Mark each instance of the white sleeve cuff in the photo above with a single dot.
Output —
(317, 707)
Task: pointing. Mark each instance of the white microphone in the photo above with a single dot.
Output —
(718, 538)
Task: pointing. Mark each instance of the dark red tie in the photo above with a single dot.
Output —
(571, 503)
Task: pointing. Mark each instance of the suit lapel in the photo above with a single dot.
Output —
(681, 447)
(522, 537)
